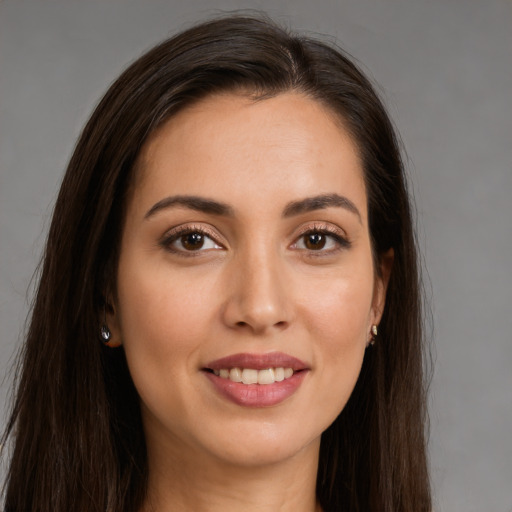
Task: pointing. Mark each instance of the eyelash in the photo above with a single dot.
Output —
(322, 229)
(175, 234)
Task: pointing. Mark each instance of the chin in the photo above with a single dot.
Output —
(262, 444)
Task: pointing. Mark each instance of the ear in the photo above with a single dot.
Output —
(381, 286)
(112, 323)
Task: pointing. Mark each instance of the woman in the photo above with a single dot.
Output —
(234, 227)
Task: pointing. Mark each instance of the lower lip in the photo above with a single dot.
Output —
(257, 395)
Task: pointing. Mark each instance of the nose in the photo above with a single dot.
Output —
(258, 298)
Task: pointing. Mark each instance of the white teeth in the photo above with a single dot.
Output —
(249, 376)
(235, 374)
(266, 376)
(252, 376)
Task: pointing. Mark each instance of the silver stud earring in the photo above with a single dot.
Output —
(105, 333)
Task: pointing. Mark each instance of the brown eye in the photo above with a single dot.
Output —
(186, 241)
(321, 241)
(192, 241)
(315, 241)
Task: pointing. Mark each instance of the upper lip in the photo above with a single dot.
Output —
(258, 361)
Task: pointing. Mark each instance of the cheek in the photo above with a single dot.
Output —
(162, 317)
(342, 324)
(340, 311)
(338, 320)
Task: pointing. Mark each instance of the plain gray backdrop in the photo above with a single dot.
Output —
(445, 73)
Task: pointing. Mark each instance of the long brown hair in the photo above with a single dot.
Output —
(78, 439)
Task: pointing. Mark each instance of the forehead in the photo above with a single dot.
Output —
(233, 146)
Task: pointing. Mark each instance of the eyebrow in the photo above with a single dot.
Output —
(210, 206)
(197, 203)
(320, 202)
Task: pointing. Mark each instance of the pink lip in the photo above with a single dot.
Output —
(258, 361)
(257, 395)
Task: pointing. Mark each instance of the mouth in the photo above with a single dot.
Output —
(256, 380)
(253, 376)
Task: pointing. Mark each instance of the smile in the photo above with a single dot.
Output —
(256, 380)
(253, 376)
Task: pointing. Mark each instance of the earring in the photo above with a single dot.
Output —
(374, 332)
(105, 333)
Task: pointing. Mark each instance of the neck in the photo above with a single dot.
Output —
(190, 483)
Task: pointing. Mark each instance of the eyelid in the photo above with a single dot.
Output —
(327, 227)
(337, 233)
(174, 233)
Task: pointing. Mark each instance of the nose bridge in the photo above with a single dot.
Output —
(259, 298)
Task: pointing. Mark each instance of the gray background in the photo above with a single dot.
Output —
(445, 69)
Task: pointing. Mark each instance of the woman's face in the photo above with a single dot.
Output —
(246, 256)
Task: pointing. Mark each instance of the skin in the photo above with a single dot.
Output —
(253, 287)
